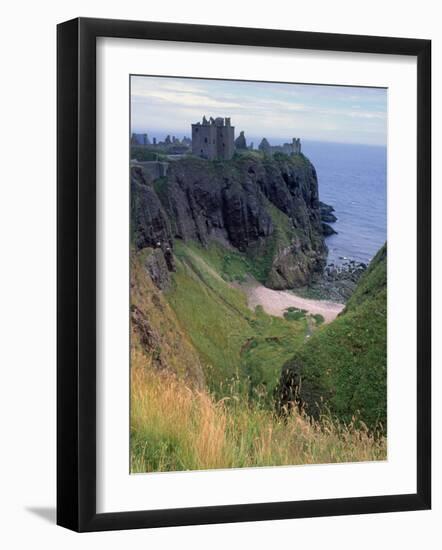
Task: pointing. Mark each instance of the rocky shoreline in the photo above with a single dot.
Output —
(337, 282)
(327, 217)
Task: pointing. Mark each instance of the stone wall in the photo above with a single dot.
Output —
(156, 169)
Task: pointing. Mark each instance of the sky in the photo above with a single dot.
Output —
(163, 105)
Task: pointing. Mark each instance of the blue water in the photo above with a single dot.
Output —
(352, 178)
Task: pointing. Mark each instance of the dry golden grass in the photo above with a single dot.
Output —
(175, 428)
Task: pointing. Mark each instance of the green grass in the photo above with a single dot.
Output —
(373, 282)
(234, 343)
(153, 317)
(174, 428)
(294, 314)
(160, 185)
(249, 154)
(143, 154)
(345, 363)
(319, 319)
(262, 253)
(202, 386)
(229, 263)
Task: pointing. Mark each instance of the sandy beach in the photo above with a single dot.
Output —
(275, 302)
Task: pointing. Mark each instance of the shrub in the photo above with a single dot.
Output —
(319, 319)
(294, 314)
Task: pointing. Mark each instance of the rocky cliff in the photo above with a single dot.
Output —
(267, 208)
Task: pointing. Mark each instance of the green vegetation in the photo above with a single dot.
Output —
(248, 154)
(160, 186)
(212, 407)
(175, 428)
(205, 368)
(373, 283)
(261, 254)
(144, 154)
(319, 319)
(234, 343)
(155, 332)
(344, 364)
(294, 314)
(227, 262)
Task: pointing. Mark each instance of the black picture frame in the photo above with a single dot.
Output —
(77, 287)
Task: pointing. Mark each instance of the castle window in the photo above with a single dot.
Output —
(205, 140)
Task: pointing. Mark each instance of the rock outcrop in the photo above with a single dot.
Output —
(264, 146)
(240, 141)
(159, 268)
(267, 208)
(150, 224)
(326, 211)
(327, 230)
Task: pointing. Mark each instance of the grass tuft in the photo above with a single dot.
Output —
(176, 428)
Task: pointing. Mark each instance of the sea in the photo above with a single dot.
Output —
(353, 179)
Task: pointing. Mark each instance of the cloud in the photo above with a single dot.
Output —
(186, 99)
(280, 111)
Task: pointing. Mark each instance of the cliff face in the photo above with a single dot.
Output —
(267, 208)
(149, 222)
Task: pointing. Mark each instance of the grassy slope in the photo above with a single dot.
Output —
(174, 428)
(205, 333)
(170, 346)
(233, 342)
(346, 362)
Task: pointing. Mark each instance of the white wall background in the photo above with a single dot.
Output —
(27, 273)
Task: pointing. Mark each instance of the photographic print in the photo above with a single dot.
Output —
(258, 260)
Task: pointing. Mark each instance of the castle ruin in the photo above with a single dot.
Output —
(213, 139)
(293, 148)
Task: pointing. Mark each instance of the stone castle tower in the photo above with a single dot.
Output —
(296, 146)
(213, 139)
